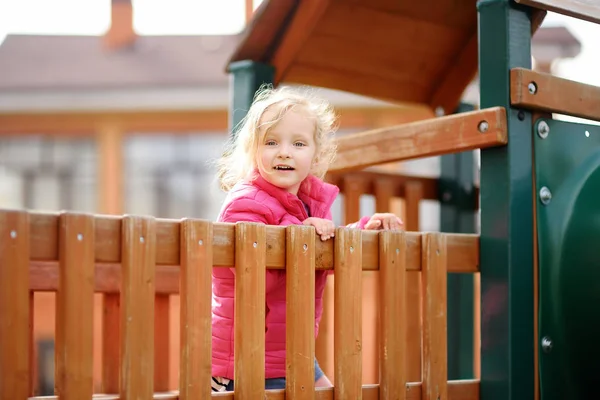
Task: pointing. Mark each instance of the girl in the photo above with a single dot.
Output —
(273, 172)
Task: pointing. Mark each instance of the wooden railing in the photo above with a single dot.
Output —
(142, 257)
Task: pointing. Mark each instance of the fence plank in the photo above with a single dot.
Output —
(392, 247)
(414, 346)
(249, 348)
(137, 307)
(435, 346)
(195, 313)
(75, 308)
(300, 313)
(348, 313)
(15, 368)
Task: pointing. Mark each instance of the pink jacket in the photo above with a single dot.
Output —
(260, 201)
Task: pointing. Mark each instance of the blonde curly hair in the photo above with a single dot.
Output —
(240, 156)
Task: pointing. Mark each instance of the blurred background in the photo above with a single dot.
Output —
(121, 106)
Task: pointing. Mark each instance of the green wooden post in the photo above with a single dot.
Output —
(507, 349)
(457, 215)
(247, 78)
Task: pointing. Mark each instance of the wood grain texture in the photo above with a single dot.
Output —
(463, 251)
(300, 313)
(554, 94)
(463, 257)
(249, 323)
(393, 300)
(137, 307)
(348, 314)
(75, 307)
(15, 323)
(433, 137)
(195, 360)
(307, 15)
(435, 318)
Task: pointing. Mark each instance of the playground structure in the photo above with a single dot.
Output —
(531, 232)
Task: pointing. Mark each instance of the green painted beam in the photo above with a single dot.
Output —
(507, 336)
(457, 215)
(247, 77)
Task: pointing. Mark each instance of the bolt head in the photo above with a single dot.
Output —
(547, 344)
(483, 126)
(543, 129)
(545, 195)
(532, 87)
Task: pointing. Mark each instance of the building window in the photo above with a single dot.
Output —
(47, 173)
(173, 176)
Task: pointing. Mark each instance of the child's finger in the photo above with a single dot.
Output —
(373, 224)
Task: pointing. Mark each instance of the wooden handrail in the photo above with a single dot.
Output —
(544, 92)
(432, 137)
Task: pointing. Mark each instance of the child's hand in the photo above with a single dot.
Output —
(385, 221)
(324, 227)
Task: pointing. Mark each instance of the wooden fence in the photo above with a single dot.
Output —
(141, 258)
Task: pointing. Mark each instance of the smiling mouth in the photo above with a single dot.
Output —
(283, 168)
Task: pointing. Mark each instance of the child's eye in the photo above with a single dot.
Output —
(299, 144)
(270, 143)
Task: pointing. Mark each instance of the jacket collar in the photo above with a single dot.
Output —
(316, 194)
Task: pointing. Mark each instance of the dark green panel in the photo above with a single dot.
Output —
(567, 164)
(507, 336)
(457, 215)
(247, 78)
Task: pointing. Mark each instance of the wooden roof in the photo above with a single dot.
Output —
(402, 51)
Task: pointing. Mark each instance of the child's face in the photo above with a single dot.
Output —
(286, 154)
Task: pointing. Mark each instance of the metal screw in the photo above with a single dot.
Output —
(254, 244)
(200, 242)
(483, 126)
(587, 133)
(79, 237)
(545, 195)
(351, 249)
(141, 239)
(13, 234)
(532, 87)
(543, 129)
(439, 111)
(546, 344)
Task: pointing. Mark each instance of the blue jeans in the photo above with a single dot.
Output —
(279, 383)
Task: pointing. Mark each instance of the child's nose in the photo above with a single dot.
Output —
(284, 151)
